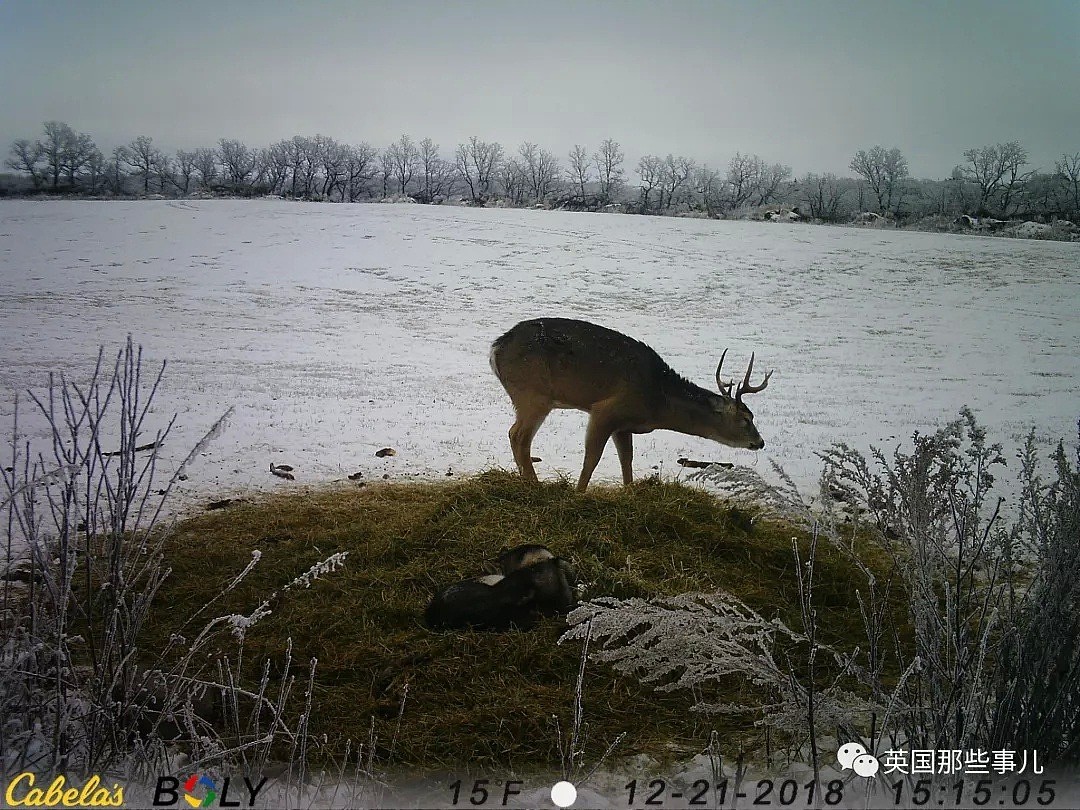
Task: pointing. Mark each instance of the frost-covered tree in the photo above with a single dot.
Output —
(141, 155)
(114, 172)
(206, 165)
(884, 171)
(609, 171)
(96, 172)
(162, 167)
(478, 166)
(996, 173)
(238, 162)
(578, 172)
(541, 170)
(386, 172)
(675, 173)
(404, 156)
(360, 170)
(651, 171)
(185, 170)
(513, 182)
(823, 194)
(742, 174)
(26, 157)
(330, 158)
(436, 175)
(709, 190)
(770, 181)
(64, 152)
(1068, 168)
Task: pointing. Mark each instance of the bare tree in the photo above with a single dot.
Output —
(206, 165)
(331, 158)
(769, 181)
(163, 170)
(528, 154)
(386, 171)
(64, 151)
(995, 171)
(823, 194)
(96, 171)
(25, 157)
(51, 148)
(541, 169)
(514, 184)
(742, 175)
(1046, 194)
(579, 169)
(709, 188)
(675, 174)
(477, 165)
(1069, 170)
(273, 167)
(436, 174)
(610, 174)
(185, 170)
(76, 151)
(404, 156)
(295, 153)
(140, 155)
(237, 161)
(884, 170)
(114, 174)
(360, 170)
(651, 170)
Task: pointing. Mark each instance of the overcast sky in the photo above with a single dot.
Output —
(803, 83)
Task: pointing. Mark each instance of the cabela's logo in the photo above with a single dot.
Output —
(21, 792)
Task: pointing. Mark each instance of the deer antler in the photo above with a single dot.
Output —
(725, 387)
(745, 387)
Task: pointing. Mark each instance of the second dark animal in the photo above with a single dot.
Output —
(535, 584)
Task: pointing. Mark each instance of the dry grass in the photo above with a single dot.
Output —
(478, 700)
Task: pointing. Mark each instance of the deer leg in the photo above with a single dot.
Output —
(624, 443)
(596, 436)
(521, 436)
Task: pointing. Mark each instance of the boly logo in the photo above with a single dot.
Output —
(854, 757)
(202, 791)
(22, 793)
(200, 781)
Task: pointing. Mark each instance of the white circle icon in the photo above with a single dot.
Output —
(865, 765)
(847, 753)
(563, 794)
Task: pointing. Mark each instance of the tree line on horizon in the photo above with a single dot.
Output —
(994, 180)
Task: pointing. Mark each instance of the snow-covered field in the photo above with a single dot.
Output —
(336, 330)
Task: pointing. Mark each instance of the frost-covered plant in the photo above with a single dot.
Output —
(572, 750)
(1037, 684)
(693, 640)
(83, 561)
(987, 654)
(936, 515)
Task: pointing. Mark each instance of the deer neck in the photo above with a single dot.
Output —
(687, 409)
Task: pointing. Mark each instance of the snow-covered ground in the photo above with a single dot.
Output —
(336, 330)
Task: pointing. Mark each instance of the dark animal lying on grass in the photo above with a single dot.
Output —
(534, 584)
(517, 558)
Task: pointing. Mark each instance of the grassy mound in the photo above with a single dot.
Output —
(479, 700)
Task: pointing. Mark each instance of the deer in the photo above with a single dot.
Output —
(623, 384)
